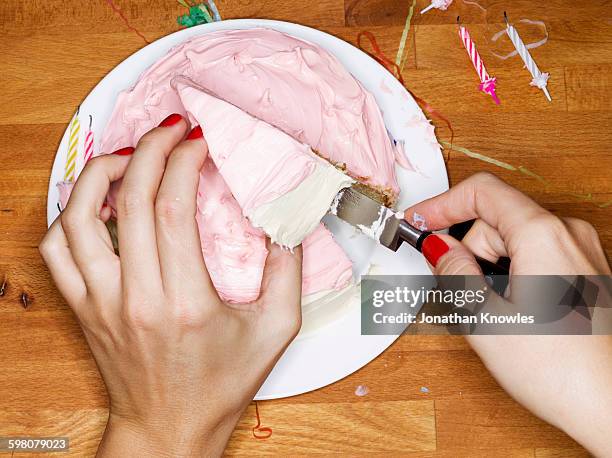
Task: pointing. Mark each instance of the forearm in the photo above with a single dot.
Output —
(585, 395)
(166, 439)
(561, 379)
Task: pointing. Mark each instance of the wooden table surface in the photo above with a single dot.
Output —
(55, 51)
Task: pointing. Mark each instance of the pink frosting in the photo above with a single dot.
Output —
(65, 189)
(234, 251)
(258, 162)
(291, 84)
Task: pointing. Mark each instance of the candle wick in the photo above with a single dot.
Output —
(90, 121)
(506, 18)
(458, 20)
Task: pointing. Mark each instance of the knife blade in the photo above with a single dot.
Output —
(380, 223)
(386, 226)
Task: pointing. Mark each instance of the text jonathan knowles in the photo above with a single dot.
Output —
(452, 318)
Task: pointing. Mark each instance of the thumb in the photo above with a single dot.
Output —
(281, 287)
(448, 256)
(457, 271)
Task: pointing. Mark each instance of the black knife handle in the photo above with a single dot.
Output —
(496, 274)
(488, 268)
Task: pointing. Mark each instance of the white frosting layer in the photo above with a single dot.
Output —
(290, 218)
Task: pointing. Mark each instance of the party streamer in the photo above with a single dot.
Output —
(203, 13)
(378, 55)
(125, 20)
(395, 70)
(533, 175)
(533, 45)
(480, 157)
(260, 432)
(525, 171)
(482, 8)
(402, 45)
(589, 198)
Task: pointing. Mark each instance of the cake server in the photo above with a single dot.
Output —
(387, 226)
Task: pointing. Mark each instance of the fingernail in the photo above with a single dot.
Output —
(195, 133)
(434, 248)
(124, 151)
(171, 120)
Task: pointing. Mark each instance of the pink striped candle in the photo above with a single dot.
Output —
(487, 84)
(89, 143)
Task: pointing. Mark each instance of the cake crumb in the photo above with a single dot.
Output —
(424, 389)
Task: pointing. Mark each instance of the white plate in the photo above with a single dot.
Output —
(334, 347)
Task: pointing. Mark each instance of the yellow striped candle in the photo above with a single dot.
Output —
(73, 148)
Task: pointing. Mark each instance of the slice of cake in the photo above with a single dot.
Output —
(280, 184)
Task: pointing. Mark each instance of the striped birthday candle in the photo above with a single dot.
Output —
(487, 83)
(73, 148)
(540, 80)
(89, 143)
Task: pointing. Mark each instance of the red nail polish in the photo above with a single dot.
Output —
(171, 120)
(124, 151)
(104, 205)
(195, 133)
(434, 248)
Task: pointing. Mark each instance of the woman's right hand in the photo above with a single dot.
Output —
(509, 224)
(564, 379)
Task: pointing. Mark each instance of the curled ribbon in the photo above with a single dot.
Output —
(399, 60)
(125, 20)
(378, 55)
(395, 70)
(535, 44)
(260, 432)
(482, 8)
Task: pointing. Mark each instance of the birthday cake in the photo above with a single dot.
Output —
(297, 99)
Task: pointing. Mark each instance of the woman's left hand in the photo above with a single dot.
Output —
(180, 365)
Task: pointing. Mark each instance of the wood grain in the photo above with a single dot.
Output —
(461, 424)
(55, 51)
(341, 427)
